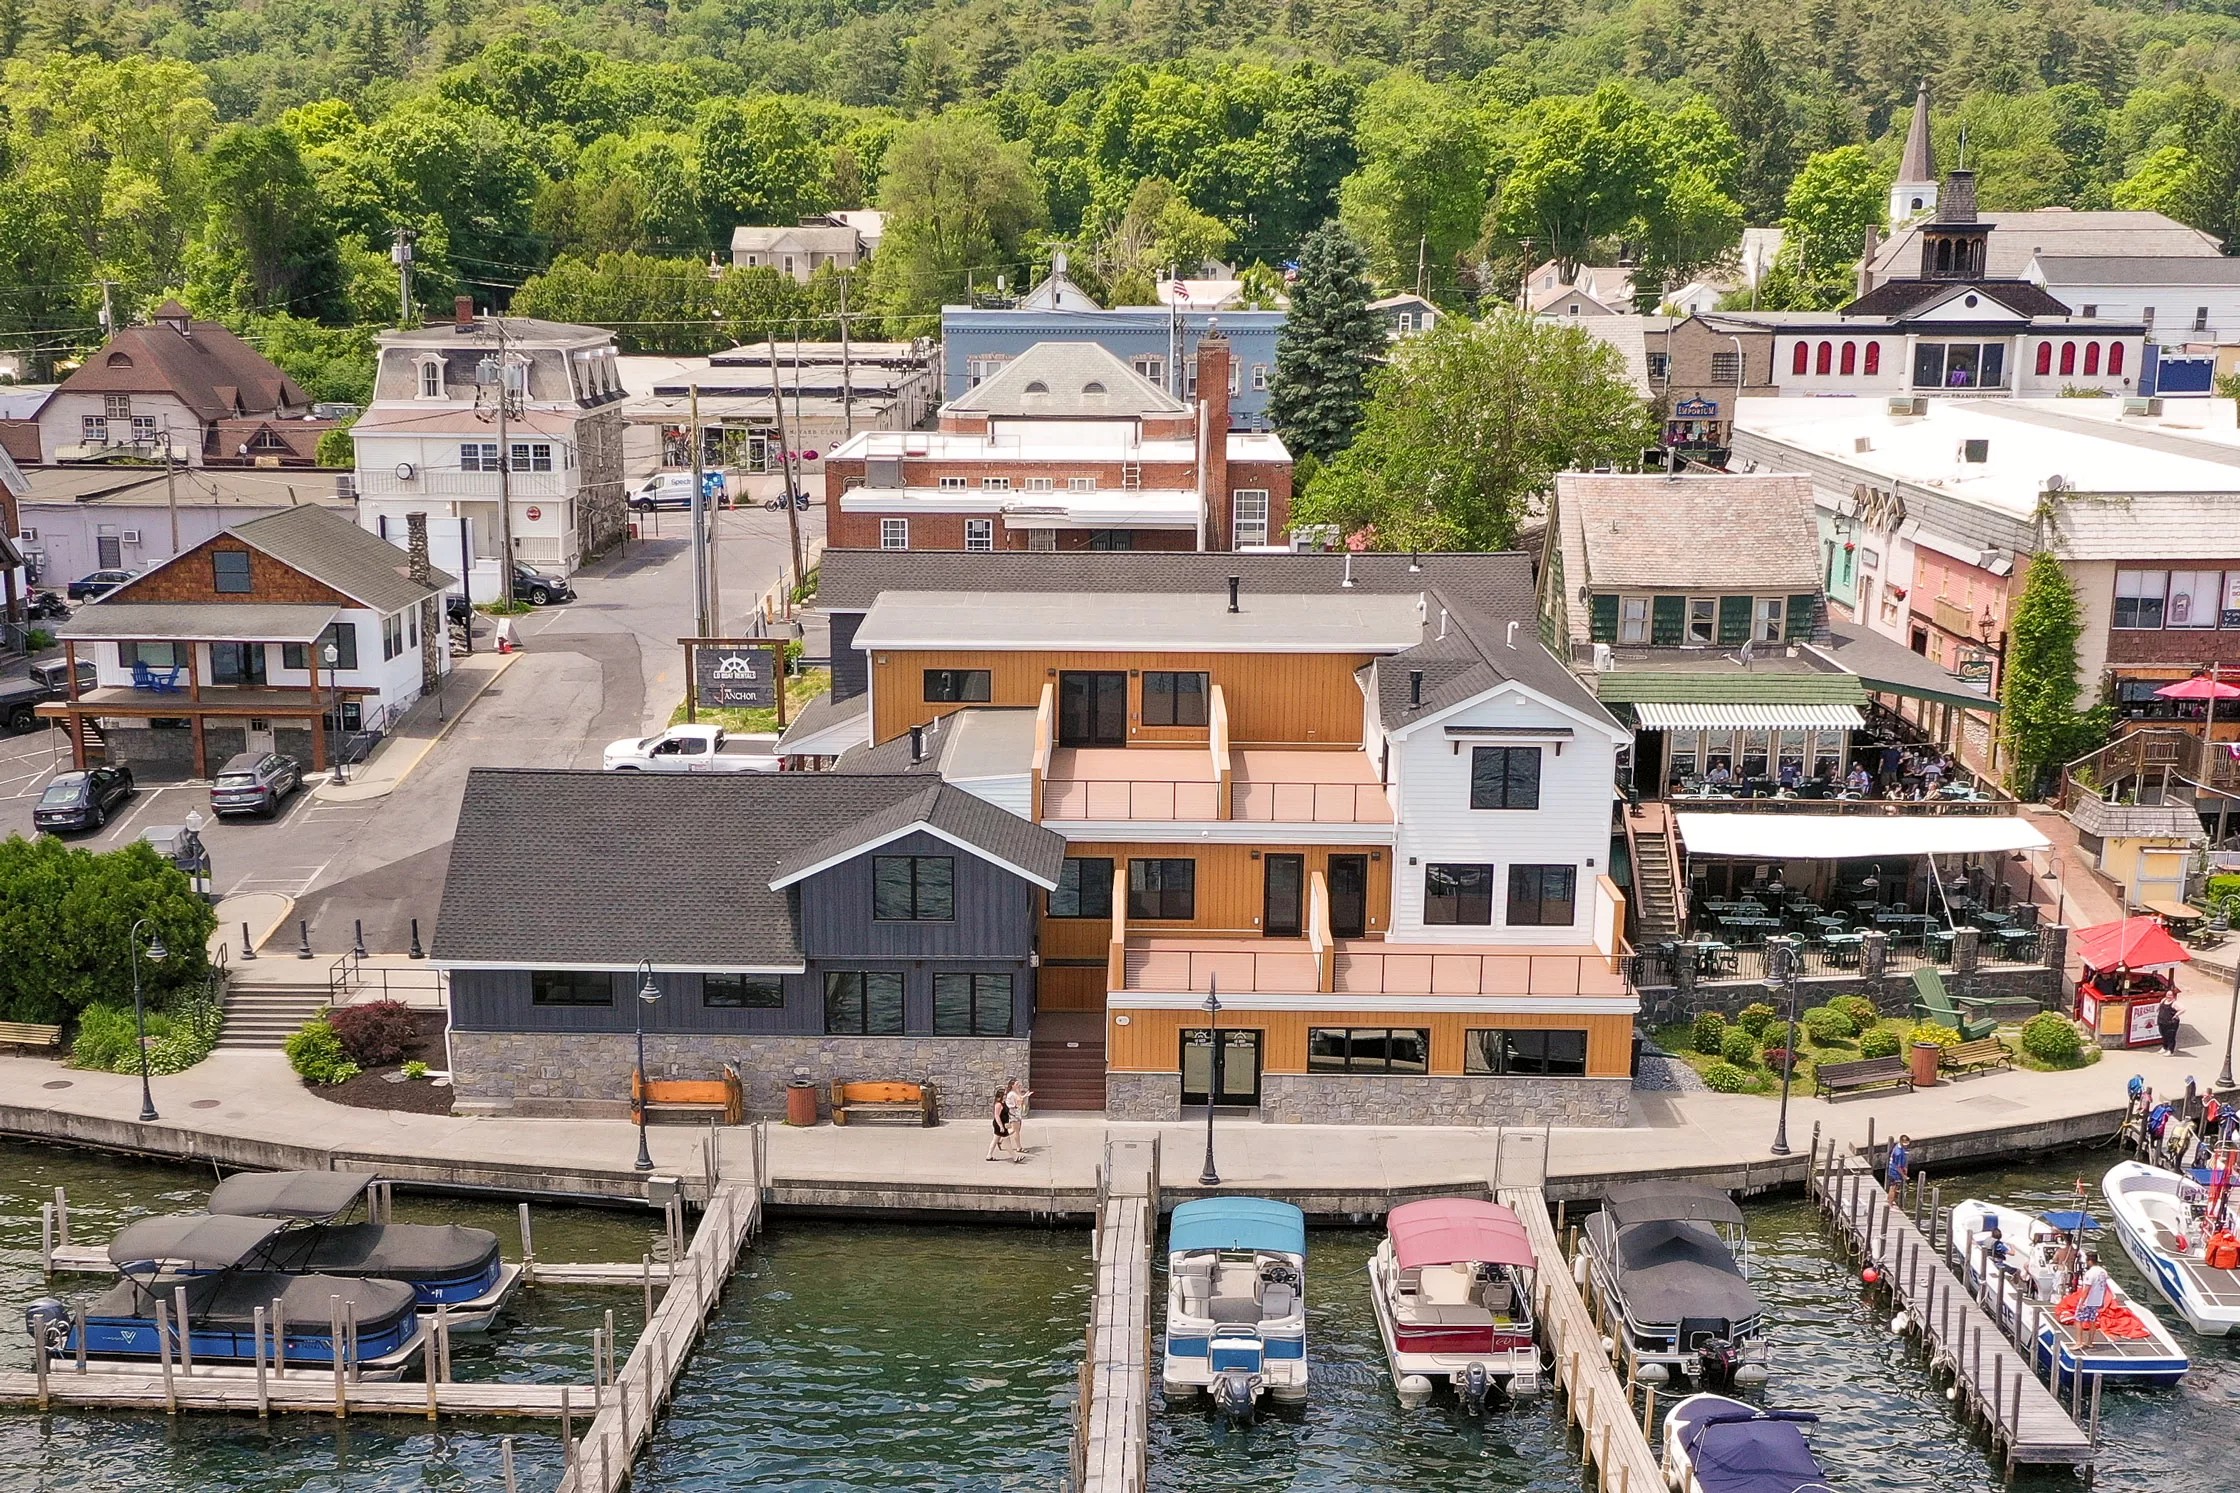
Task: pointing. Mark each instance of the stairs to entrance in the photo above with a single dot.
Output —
(262, 1017)
(1066, 1061)
(1655, 908)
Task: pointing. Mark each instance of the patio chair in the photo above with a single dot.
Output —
(1932, 1002)
(161, 682)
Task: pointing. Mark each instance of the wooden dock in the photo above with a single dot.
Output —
(1112, 1432)
(306, 1389)
(1998, 1387)
(1596, 1400)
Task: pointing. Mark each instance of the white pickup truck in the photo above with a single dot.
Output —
(691, 749)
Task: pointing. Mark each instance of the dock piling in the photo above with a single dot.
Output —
(645, 1265)
(334, 1352)
(279, 1342)
(78, 1323)
(505, 1455)
(528, 1250)
(428, 1370)
(1648, 1411)
(62, 1217)
(163, 1352)
(264, 1398)
(2094, 1432)
(39, 1365)
(350, 1327)
(443, 1341)
(46, 1239)
(567, 1429)
(186, 1338)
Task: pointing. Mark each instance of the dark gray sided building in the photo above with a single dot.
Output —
(845, 927)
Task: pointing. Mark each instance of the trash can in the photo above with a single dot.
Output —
(801, 1101)
(1925, 1058)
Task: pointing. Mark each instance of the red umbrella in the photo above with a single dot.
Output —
(2199, 687)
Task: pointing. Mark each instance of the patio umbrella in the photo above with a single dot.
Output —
(2200, 687)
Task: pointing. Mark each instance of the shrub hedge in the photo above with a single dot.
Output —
(1740, 1049)
(1710, 1032)
(2051, 1037)
(315, 1052)
(1726, 1078)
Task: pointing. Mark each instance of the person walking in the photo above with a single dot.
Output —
(2097, 1288)
(1894, 1169)
(2166, 1019)
(1000, 1114)
(1015, 1097)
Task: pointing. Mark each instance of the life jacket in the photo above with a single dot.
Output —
(2223, 1252)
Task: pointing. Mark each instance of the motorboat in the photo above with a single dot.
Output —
(2021, 1252)
(1236, 1303)
(1716, 1445)
(1666, 1258)
(446, 1265)
(1452, 1284)
(2178, 1231)
(206, 1257)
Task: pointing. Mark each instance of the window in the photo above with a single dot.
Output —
(971, 1005)
(1162, 890)
(1726, 368)
(230, 571)
(1038, 484)
(978, 371)
(788, 266)
(754, 261)
(2045, 359)
(1766, 623)
(1734, 620)
(1660, 365)
(1374, 1049)
(913, 888)
(570, 987)
(2201, 318)
(2194, 598)
(1259, 377)
(92, 430)
(995, 484)
(1458, 894)
(1235, 370)
(117, 406)
(1084, 890)
(344, 636)
(979, 533)
(1798, 357)
(1542, 896)
(478, 457)
(1633, 619)
(1112, 539)
(743, 992)
(1173, 699)
(1549, 1054)
(2115, 359)
(392, 636)
(532, 456)
(431, 380)
(2139, 596)
(1874, 359)
(1045, 540)
(2068, 357)
(1081, 484)
(894, 533)
(1505, 777)
(1153, 369)
(144, 431)
(1703, 619)
(154, 655)
(1820, 358)
(1251, 516)
(952, 484)
(1850, 357)
(863, 1003)
(957, 686)
(2092, 357)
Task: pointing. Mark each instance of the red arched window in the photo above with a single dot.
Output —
(1874, 359)
(1797, 358)
(2092, 357)
(1823, 358)
(2115, 359)
(2045, 358)
(1851, 357)
(2068, 357)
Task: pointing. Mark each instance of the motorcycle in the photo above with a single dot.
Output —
(778, 503)
(48, 604)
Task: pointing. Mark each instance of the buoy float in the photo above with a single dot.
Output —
(1870, 1275)
(1899, 1323)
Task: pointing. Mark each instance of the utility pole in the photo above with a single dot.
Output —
(703, 559)
(785, 455)
(847, 377)
(108, 308)
(1423, 247)
(505, 465)
(170, 485)
(1174, 330)
(400, 254)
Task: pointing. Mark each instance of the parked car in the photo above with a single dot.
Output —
(690, 749)
(20, 699)
(538, 589)
(674, 490)
(255, 783)
(458, 609)
(82, 800)
(99, 583)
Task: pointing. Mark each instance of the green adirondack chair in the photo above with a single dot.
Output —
(1932, 1002)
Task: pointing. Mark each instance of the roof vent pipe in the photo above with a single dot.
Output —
(1442, 624)
(1512, 634)
(1415, 688)
(917, 743)
(1347, 583)
(1234, 582)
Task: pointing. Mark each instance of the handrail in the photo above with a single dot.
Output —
(1318, 932)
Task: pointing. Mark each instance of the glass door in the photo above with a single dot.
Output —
(1093, 709)
(1283, 899)
(1349, 896)
(1239, 1065)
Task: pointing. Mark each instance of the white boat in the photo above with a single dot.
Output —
(1716, 1445)
(1667, 1257)
(2170, 1225)
(1236, 1303)
(2027, 1284)
(1452, 1284)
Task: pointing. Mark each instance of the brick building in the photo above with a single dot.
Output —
(1067, 448)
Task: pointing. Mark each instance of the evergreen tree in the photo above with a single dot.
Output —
(2040, 726)
(1755, 108)
(1329, 344)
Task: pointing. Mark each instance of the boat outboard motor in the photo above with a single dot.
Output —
(48, 1322)
(1235, 1392)
(1475, 1385)
(1719, 1360)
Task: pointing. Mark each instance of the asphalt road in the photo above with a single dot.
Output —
(605, 666)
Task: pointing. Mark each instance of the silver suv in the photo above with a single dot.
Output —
(255, 783)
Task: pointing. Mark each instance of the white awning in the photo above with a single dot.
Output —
(1677, 717)
(1778, 836)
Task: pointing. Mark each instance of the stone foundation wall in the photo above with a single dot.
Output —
(1349, 1099)
(173, 747)
(588, 1073)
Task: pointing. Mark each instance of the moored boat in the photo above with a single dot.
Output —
(1236, 1303)
(2178, 1231)
(1452, 1285)
(2023, 1254)
(1665, 1256)
(1716, 1445)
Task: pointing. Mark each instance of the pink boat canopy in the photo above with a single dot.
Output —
(1441, 1231)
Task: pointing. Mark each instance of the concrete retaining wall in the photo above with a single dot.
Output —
(1397, 1099)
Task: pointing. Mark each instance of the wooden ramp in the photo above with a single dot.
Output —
(1597, 1401)
(1112, 1432)
(1998, 1385)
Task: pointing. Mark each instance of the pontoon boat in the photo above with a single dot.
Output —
(1452, 1283)
(1716, 1445)
(1664, 1256)
(1236, 1302)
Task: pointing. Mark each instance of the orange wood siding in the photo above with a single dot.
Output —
(1066, 987)
(1151, 1041)
(1230, 892)
(1275, 699)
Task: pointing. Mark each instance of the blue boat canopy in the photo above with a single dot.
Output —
(2072, 1221)
(1238, 1223)
(1746, 1453)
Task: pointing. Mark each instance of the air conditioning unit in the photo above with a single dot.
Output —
(1861, 444)
(2142, 408)
(1908, 404)
(1976, 451)
(1604, 659)
(132, 536)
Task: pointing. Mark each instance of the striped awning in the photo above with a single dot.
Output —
(1658, 716)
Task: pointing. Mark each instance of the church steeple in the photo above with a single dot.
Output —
(1914, 194)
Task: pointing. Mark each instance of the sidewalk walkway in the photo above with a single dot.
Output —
(425, 724)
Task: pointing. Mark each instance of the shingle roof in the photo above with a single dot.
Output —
(213, 372)
(533, 875)
(979, 741)
(1736, 533)
(1626, 334)
(826, 714)
(997, 834)
(1067, 380)
(2144, 269)
(2018, 236)
(328, 547)
(1901, 298)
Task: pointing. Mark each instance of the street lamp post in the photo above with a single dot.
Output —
(648, 993)
(1783, 958)
(1209, 1177)
(156, 955)
(198, 858)
(333, 656)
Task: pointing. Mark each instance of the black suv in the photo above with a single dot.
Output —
(255, 783)
(82, 800)
(538, 589)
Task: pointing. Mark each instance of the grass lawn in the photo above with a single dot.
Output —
(801, 688)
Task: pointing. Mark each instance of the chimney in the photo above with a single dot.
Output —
(1213, 421)
(1235, 581)
(1415, 688)
(462, 314)
(917, 743)
(434, 635)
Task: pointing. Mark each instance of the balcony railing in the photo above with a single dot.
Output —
(1510, 972)
(1310, 803)
(1082, 798)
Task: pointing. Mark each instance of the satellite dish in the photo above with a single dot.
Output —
(2057, 483)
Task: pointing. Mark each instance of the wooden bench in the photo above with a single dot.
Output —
(723, 1098)
(911, 1099)
(1832, 1079)
(1971, 1057)
(26, 1035)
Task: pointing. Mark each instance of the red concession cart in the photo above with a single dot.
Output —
(2127, 969)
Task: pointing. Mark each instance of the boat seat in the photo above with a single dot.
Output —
(1446, 1287)
(1498, 1297)
(1234, 1309)
(1194, 1295)
(1199, 1265)
(1278, 1302)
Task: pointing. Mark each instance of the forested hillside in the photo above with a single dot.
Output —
(256, 157)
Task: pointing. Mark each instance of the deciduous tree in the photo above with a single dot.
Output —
(65, 922)
(960, 201)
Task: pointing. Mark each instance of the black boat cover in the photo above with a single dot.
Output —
(201, 1241)
(398, 1251)
(232, 1299)
(1654, 1202)
(1748, 1451)
(314, 1195)
(1675, 1272)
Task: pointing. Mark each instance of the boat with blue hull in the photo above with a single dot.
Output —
(1716, 1445)
(201, 1259)
(1236, 1303)
(457, 1268)
(2032, 1265)
(2178, 1231)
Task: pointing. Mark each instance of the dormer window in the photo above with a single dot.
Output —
(430, 374)
(119, 360)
